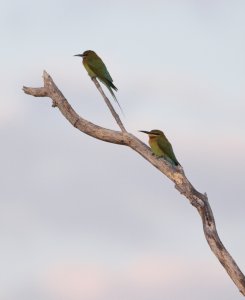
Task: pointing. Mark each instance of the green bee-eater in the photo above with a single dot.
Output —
(160, 146)
(96, 68)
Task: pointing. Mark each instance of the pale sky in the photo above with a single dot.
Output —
(83, 219)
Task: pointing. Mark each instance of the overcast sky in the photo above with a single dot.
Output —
(83, 219)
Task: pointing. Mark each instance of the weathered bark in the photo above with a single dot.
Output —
(175, 174)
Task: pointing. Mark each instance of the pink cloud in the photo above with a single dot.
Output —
(75, 282)
(149, 275)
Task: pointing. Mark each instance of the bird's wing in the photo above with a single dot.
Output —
(168, 150)
(96, 65)
(99, 68)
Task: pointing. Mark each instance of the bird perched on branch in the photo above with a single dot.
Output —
(160, 146)
(96, 68)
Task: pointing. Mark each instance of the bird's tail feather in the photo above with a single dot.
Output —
(113, 95)
(111, 86)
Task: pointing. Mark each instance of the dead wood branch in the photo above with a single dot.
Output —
(176, 175)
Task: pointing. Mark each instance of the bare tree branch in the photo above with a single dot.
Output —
(175, 174)
(108, 103)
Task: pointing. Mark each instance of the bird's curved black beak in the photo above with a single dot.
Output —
(81, 55)
(147, 132)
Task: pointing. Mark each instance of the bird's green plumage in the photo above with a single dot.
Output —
(160, 146)
(96, 68)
